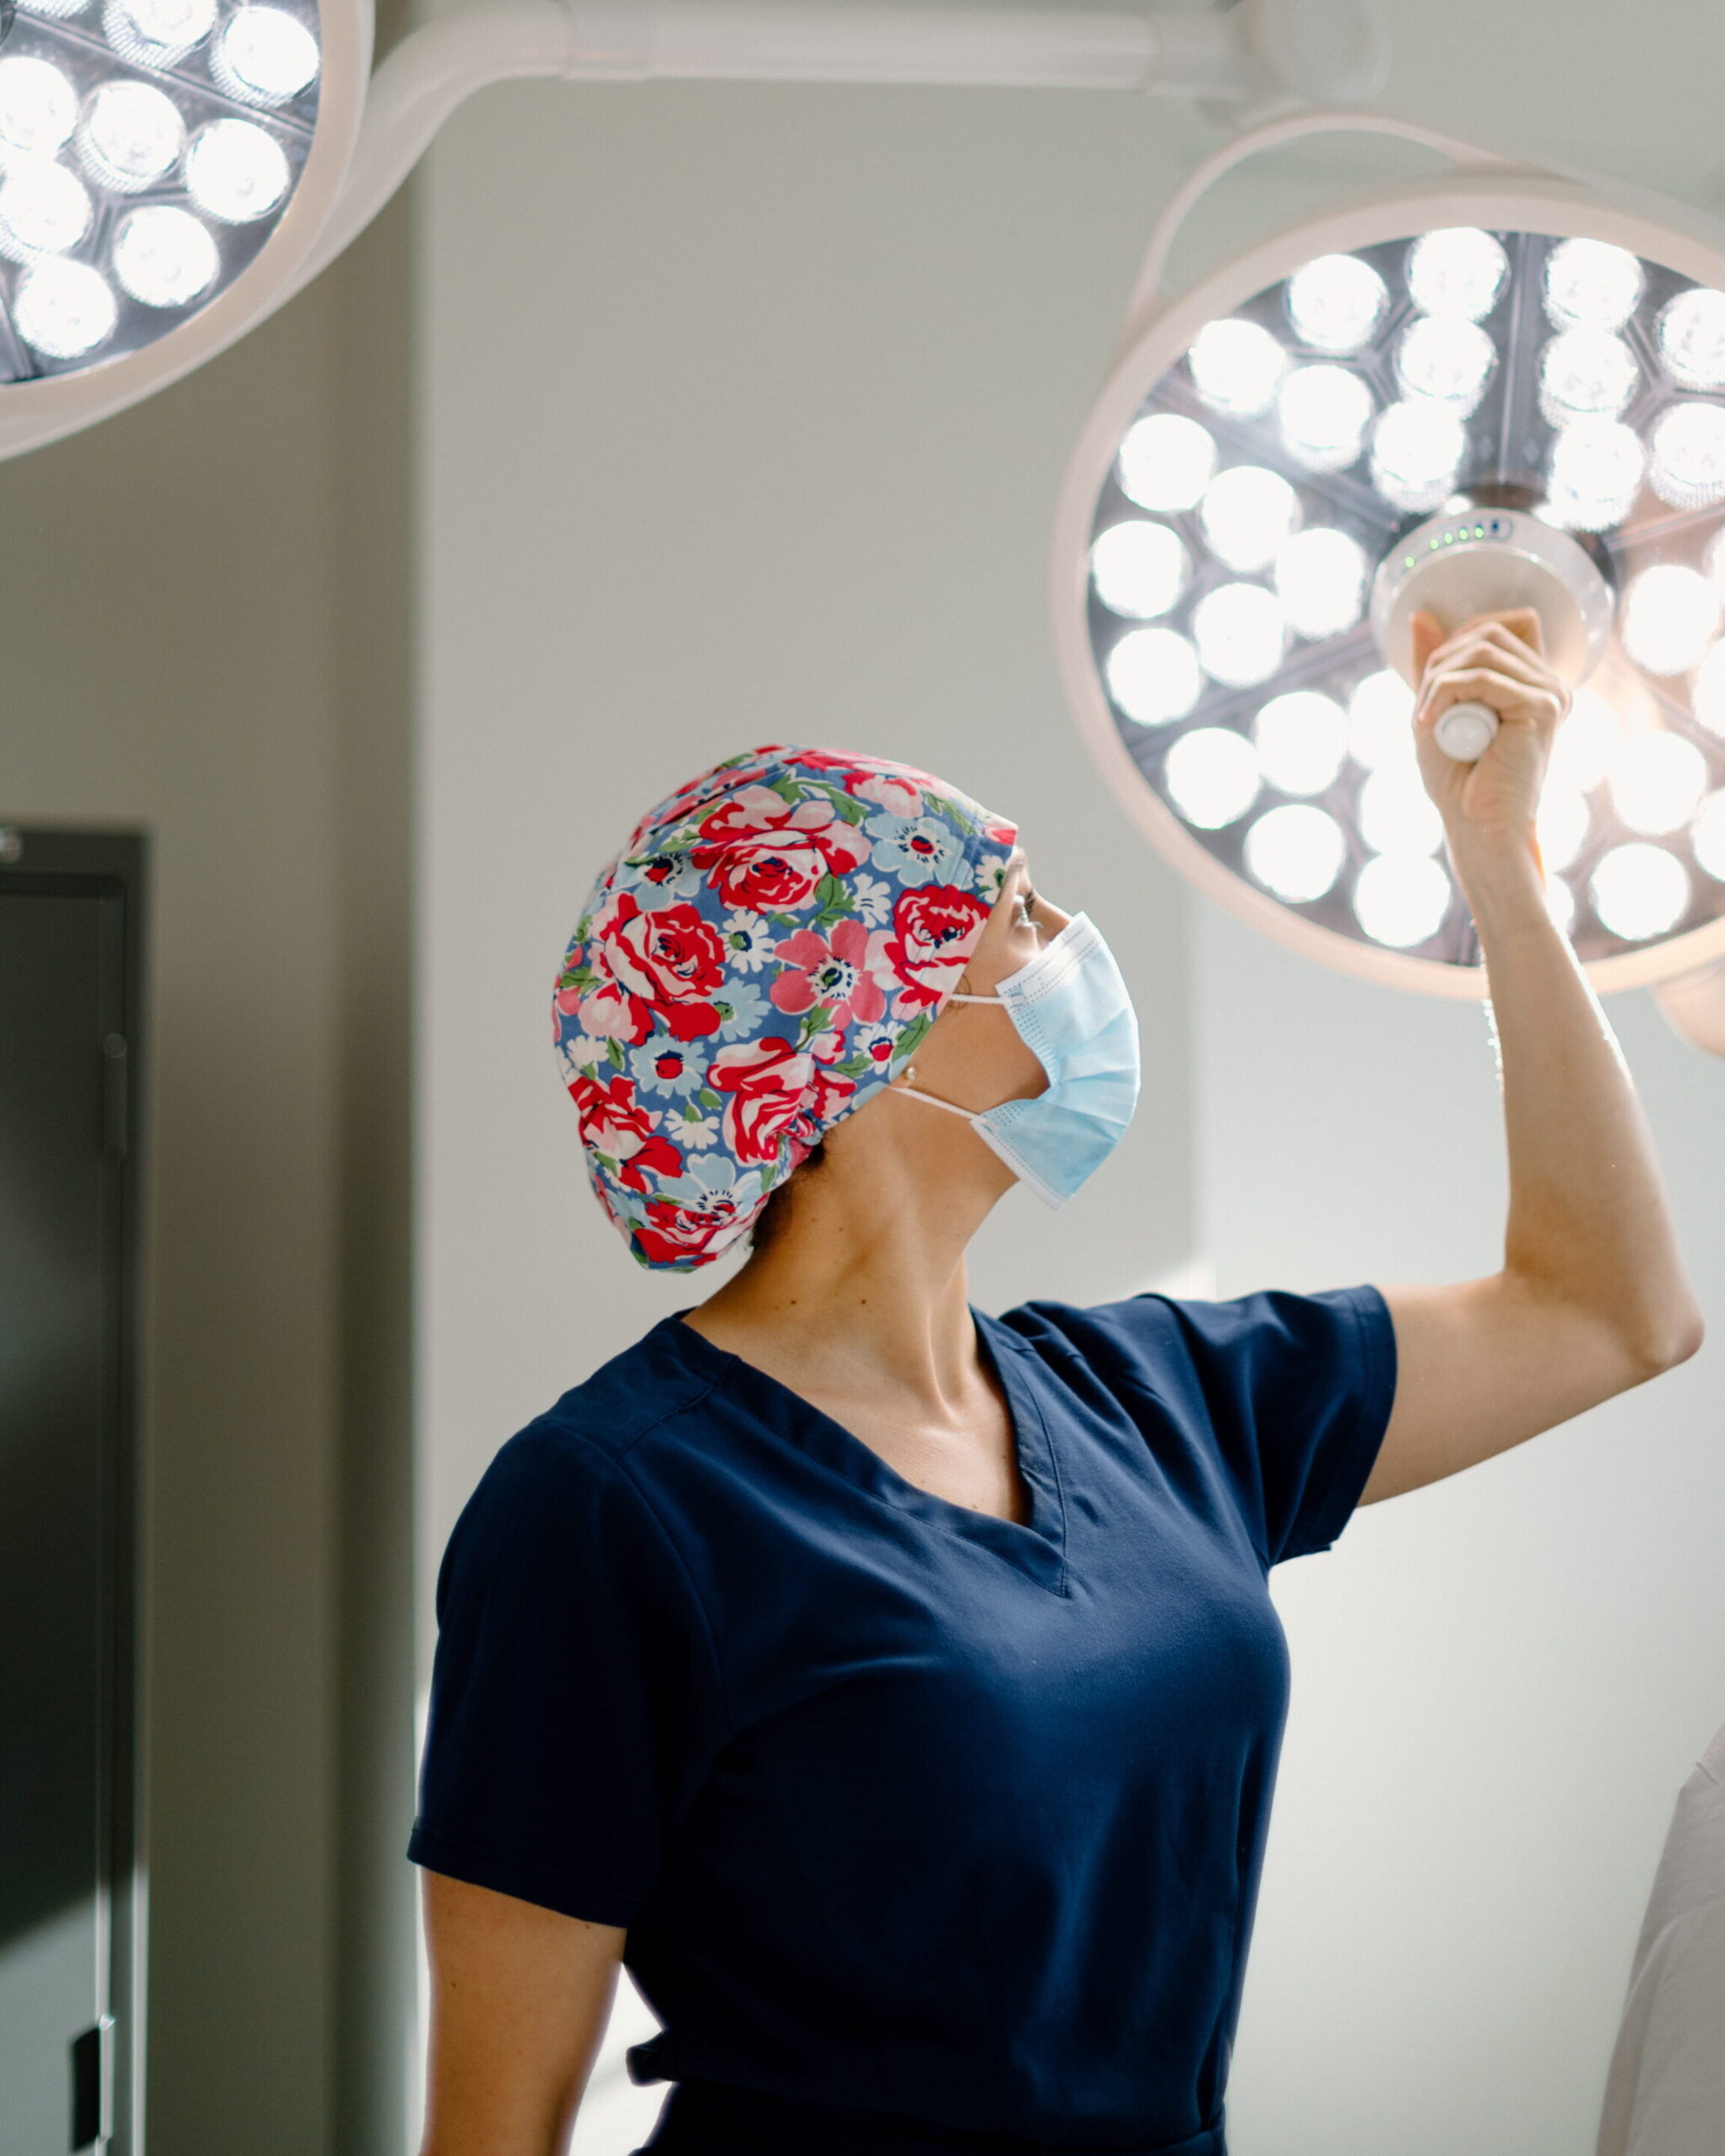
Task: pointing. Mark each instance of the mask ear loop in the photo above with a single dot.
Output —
(903, 1085)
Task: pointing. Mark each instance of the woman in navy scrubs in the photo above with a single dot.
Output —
(896, 1689)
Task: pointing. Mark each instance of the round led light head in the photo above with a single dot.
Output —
(1486, 561)
(1398, 411)
(177, 160)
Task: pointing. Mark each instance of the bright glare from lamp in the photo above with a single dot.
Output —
(1153, 676)
(1320, 581)
(1657, 781)
(1324, 412)
(1591, 284)
(1640, 892)
(1247, 513)
(1671, 614)
(1241, 633)
(1236, 366)
(132, 136)
(1139, 567)
(1401, 899)
(1707, 693)
(164, 257)
(157, 32)
(1596, 469)
(1302, 740)
(63, 309)
(1586, 742)
(1446, 357)
(1212, 775)
(236, 171)
(1560, 903)
(1459, 271)
(1336, 302)
(38, 107)
(1686, 455)
(1586, 373)
(1380, 721)
(1297, 852)
(1708, 836)
(1166, 461)
(1417, 447)
(1691, 338)
(1396, 813)
(44, 209)
(1562, 825)
(264, 56)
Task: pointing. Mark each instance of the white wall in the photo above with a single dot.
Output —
(742, 412)
(202, 634)
(1500, 1680)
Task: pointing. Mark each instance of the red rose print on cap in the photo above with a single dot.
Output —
(670, 964)
(611, 1123)
(761, 852)
(934, 931)
(762, 960)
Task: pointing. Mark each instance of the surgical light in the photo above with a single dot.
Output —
(261, 120)
(135, 201)
(38, 107)
(1520, 405)
(1324, 412)
(1140, 567)
(1302, 741)
(1447, 358)
(1213, 774)
(1246, 515)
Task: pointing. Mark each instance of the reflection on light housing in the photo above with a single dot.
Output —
(102, 101)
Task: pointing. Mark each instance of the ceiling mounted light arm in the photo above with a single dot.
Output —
(253, 145)
(1259, 49)
(1150, 293)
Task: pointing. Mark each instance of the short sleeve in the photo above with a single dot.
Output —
(575, 1700)
(1296, 1391)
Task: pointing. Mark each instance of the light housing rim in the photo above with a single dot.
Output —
(35, 413)
(1497, 197)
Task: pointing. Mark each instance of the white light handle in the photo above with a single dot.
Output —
(1465, 731)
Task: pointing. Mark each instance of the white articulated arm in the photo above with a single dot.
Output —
(1297, 48)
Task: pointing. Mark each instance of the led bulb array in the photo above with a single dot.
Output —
(1280, 460)
(147, 150)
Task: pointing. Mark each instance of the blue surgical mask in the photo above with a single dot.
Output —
(1071, 1009)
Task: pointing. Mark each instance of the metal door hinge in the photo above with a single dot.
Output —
(93, 2085)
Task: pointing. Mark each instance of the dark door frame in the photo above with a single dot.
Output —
(44, 860)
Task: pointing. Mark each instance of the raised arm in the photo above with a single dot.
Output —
(1592, 1297)
(519, 1998)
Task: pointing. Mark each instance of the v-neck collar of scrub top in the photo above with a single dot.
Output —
(1037, 1548)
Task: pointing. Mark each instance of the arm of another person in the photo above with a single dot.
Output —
(519, 1998)
(1592, 1297)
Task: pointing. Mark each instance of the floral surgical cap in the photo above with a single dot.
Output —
(760, 961)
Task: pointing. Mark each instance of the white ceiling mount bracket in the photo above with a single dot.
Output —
(370, 131)
(1229, 58)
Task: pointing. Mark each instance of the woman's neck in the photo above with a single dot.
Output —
(863, 1286)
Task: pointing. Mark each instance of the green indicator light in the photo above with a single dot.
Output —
(1479, 532)
(1449, 538)
(1433, 544)
(1409, 563)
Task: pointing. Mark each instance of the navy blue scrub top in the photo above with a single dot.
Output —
(909, 1811)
